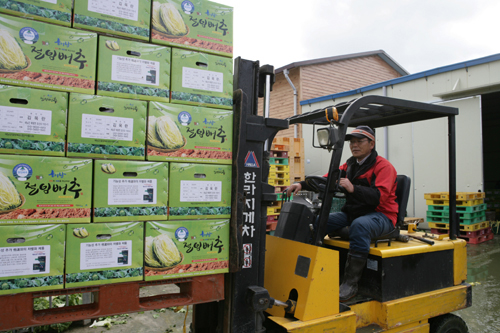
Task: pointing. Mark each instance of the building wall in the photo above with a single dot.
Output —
(323, 79)
(420, 149)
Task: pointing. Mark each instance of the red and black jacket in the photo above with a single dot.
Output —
(374, 187)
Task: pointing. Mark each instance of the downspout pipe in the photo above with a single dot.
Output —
(386, 129)
(285, 72)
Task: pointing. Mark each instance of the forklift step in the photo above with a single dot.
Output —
(459, 202)
(460, 209)
(462, 227)
(459, 195)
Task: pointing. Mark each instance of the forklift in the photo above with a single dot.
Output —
(289, 281)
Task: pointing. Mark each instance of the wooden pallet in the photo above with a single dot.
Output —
(472, 234)
(459, 202)
(459, 195)
(465, 227)
(477, 240)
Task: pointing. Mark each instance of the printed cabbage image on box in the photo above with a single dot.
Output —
(32, 121)
(177, 249)
(51, 11)
(201, 79)
(199, 191)
(130, 191)
(131, 69)
(31, 258)
(128, 18)
(104, 253)
(197, 25)
(47, 56)
(106, 127)
(38, 190)
(182, 133)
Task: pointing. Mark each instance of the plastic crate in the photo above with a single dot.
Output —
(337, 204)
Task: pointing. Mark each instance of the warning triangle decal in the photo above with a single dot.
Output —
(251, 160)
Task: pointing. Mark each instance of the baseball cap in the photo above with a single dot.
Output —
(361, 131)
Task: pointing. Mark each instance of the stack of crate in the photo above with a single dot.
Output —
(279, 177)
(474, 227)
(295, 153)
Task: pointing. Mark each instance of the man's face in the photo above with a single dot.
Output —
(361, 147)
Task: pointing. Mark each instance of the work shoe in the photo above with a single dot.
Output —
(354, 266)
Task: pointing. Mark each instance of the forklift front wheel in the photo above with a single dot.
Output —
(448, 323)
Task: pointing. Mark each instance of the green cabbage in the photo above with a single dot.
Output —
(166, 251)
(9, 197)
(168, 132)
(153, 138)
(11, 54)
(172, 20)
(149, 256)
(156, 19)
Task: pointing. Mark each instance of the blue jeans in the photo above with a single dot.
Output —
(362, 229)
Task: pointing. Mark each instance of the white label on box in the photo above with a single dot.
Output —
(201, 79)
(24, 260)
(201, 191)
(126, 9)
(105, 254)
(131, 191)
(50, 1)
(106, 127)
(26, 121)
(135, 70)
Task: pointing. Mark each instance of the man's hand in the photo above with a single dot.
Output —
(295, 188)
(346, 183)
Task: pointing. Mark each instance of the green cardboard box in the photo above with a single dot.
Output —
(48, 56)
(106, 127)
(201, 79)
(104, 253)
(131, 69)
(207, 134)
(32, 121)
(51, 11)
(198, 25)
(130, 191)
(178, 249)
(128, 18)
(199, 191)
(39, 190)
(31, 258)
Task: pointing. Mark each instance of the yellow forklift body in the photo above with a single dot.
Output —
(397, 249)
(311, 270)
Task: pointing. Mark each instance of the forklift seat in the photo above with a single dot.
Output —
(402, 195)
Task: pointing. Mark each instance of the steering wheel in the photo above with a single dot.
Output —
(317, 183)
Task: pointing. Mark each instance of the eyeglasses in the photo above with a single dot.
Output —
(357, 142)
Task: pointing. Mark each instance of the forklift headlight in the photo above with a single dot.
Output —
(327, 136)
(324, 137)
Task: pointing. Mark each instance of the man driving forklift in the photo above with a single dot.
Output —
(370, 211)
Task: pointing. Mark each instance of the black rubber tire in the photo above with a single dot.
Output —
(448, 323)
